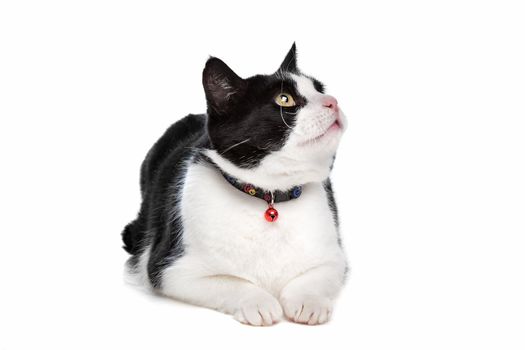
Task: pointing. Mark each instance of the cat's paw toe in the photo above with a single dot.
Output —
(259, 310)
(310, 310)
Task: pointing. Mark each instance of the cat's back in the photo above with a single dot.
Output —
(177, 140)
(162, 166)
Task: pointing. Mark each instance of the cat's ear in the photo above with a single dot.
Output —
(290, 61)
(221, 85)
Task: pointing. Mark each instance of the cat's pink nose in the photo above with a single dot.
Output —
(330, 102)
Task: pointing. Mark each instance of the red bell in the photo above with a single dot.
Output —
(271, 214)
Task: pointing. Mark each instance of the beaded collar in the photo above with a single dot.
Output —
(270, 197)
(271, 214)
(278, 196)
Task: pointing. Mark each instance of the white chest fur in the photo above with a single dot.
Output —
(225, 232)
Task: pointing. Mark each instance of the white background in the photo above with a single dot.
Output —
(429, 178)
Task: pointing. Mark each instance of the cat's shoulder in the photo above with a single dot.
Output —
(174, 145)
(179, 133)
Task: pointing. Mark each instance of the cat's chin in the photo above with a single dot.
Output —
(331, 134)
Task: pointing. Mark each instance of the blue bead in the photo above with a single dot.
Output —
(296, 191)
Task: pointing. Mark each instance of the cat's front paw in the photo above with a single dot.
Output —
(259, 310)
(307, 309)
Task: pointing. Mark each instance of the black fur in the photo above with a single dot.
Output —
(327, 184)
(238, 109)
(162, 171)
(318, 85)
(290, 61)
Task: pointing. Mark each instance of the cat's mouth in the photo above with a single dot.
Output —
(334, 127)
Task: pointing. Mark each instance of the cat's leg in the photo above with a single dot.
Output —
(248, 303)
(309, 297)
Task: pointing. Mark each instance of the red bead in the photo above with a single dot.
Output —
(271, 214)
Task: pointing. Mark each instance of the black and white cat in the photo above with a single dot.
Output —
(238, 213)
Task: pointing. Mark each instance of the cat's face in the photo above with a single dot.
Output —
(274, 130)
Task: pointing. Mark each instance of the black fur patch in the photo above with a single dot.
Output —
(290, 61)
(327, 184)
(254, 124)
(318, 85)
(244, 122)
(162, 174)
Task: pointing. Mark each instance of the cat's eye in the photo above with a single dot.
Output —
(284, 100)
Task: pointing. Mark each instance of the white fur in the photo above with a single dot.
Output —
(237, 262)
(233, 257)
(138, 275)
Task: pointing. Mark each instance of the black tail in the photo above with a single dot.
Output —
(129, 236)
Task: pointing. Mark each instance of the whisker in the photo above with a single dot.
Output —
(235, 145)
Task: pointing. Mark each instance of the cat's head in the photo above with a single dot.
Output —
(275, 131)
